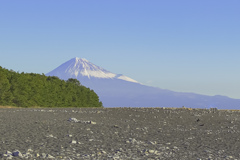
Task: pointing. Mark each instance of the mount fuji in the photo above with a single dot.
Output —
(117, 90)
(80, 68)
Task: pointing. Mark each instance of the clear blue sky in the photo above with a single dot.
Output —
(180, 45)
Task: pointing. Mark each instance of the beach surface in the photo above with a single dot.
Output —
(119, 133)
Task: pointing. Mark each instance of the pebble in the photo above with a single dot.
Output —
(50, 156)
(91, 122)
(69, 135)
(17, 153)
(74, 142)
(73, 120)
(151, 151)
(43, 155)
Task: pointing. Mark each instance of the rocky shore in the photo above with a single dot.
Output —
(119, 133)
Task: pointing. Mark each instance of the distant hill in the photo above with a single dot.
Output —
(29, 89)
(116, 90)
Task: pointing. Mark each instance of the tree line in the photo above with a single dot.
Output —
(31, 89)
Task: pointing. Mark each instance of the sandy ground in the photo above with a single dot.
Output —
(119, 133)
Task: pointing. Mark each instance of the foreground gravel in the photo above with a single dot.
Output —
(119, 133)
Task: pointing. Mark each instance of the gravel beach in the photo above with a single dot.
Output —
(119, 133)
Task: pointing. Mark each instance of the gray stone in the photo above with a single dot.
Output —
(17, 153)
(43, 155)
(116, 126)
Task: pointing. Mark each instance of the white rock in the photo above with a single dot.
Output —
(8, 153)
(93, 122)
(26, 155)
(73, 120)
(69, 135)
(50, 156)
(153, 143)
(51, 136)
(151, 151)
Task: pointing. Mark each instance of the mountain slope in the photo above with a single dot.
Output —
(81, 68)
(117, 90)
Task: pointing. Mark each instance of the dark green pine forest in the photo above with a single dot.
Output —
(36, 90)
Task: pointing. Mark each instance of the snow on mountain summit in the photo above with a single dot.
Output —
(81, 67)
(86, 68)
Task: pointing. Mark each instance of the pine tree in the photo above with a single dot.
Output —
(27, 90)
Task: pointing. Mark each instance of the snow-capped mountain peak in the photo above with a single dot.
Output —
(81, 67)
